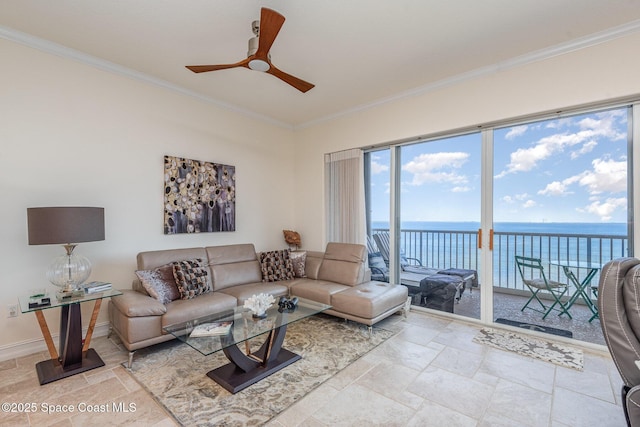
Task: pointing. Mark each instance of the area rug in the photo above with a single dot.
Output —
(175, 374)
(534, 327)
(548, 351)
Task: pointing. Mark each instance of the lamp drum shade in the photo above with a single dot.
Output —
(61, 225)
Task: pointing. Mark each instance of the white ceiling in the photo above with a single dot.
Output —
(356, 52)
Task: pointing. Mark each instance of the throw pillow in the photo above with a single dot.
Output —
(276, 266)
(160, 283)
(298, 260)
(192, 278)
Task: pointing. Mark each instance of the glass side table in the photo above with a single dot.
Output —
(75, 355)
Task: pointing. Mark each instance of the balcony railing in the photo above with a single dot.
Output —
(444, 249)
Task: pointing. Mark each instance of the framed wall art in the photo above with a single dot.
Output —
(199, 197)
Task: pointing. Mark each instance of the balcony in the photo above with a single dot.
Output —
(443, 249)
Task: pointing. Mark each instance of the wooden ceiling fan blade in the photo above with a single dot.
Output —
(206, 68)
(270, 24)
(299, 84)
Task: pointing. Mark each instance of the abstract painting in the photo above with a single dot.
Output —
(199, 197)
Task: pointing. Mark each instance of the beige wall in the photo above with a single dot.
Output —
(599, 73)
(74, 135)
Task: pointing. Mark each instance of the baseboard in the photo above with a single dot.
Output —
(25, 348)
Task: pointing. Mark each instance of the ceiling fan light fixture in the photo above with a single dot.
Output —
(259, 65)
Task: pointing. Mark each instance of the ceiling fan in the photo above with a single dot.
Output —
(258, 57)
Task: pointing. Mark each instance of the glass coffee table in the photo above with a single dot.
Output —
(246, 368)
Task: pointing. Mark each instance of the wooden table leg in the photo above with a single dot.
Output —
(92, 324)
(46, 334)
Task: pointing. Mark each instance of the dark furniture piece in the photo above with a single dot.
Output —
(618, 302)
(247, 368)
(75, 355)
(439, 291)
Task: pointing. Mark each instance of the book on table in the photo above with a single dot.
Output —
(211, 329)
(93, 287)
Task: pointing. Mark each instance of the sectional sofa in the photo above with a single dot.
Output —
(226, 276)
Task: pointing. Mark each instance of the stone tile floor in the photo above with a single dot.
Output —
(430, 374)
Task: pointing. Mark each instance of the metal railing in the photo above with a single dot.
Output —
(444, 249)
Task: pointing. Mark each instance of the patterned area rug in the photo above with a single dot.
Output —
(559, 354)
(175, 374)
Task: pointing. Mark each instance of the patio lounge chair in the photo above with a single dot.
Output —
(419, 280)
(413, 271)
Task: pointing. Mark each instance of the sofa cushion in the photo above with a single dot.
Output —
(160, 283)
(312, 264)
(233, 265)
(244, 292)
(154, 259)
(192, 278)
(204, 305)
(276, 265)
(343, 263)
(134, 304)
(316, 290)
(369, 300)
(298, 260)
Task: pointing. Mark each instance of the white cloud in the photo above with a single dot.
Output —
(607, 175)
(586, 148)
(437, 168)
(602, 126)
(529, 204)
(464, 189)
(507, 199)
(516, 131)
(606, 209)
(555, 188)
(377, 168)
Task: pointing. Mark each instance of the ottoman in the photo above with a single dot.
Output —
(370, 302)
(439, 291)
(470, 277)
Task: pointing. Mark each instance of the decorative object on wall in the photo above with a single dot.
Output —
(292, 238)
(199, 196)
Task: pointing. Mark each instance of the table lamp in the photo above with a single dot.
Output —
(67, 226)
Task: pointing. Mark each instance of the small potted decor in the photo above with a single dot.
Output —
(258, 304)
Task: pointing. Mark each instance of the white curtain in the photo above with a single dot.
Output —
(344, 196)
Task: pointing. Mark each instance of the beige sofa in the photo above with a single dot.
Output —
(337, 277)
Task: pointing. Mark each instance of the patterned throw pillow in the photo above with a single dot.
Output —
(298, 259)
(276, 266)
(160, 283)
(192, 278)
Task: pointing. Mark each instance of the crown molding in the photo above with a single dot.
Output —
(535, 56)
(101, 64)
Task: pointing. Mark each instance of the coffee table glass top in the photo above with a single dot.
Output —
(243, 325)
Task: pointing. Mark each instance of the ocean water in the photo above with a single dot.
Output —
(590, 228)
(454, 244)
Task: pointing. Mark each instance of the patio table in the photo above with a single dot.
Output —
(580, 286)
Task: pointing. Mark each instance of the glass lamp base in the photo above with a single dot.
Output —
(69, 271)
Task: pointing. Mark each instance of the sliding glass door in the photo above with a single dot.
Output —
(560, 201)
(558, 192)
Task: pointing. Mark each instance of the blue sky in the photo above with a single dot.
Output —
(563, 170)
